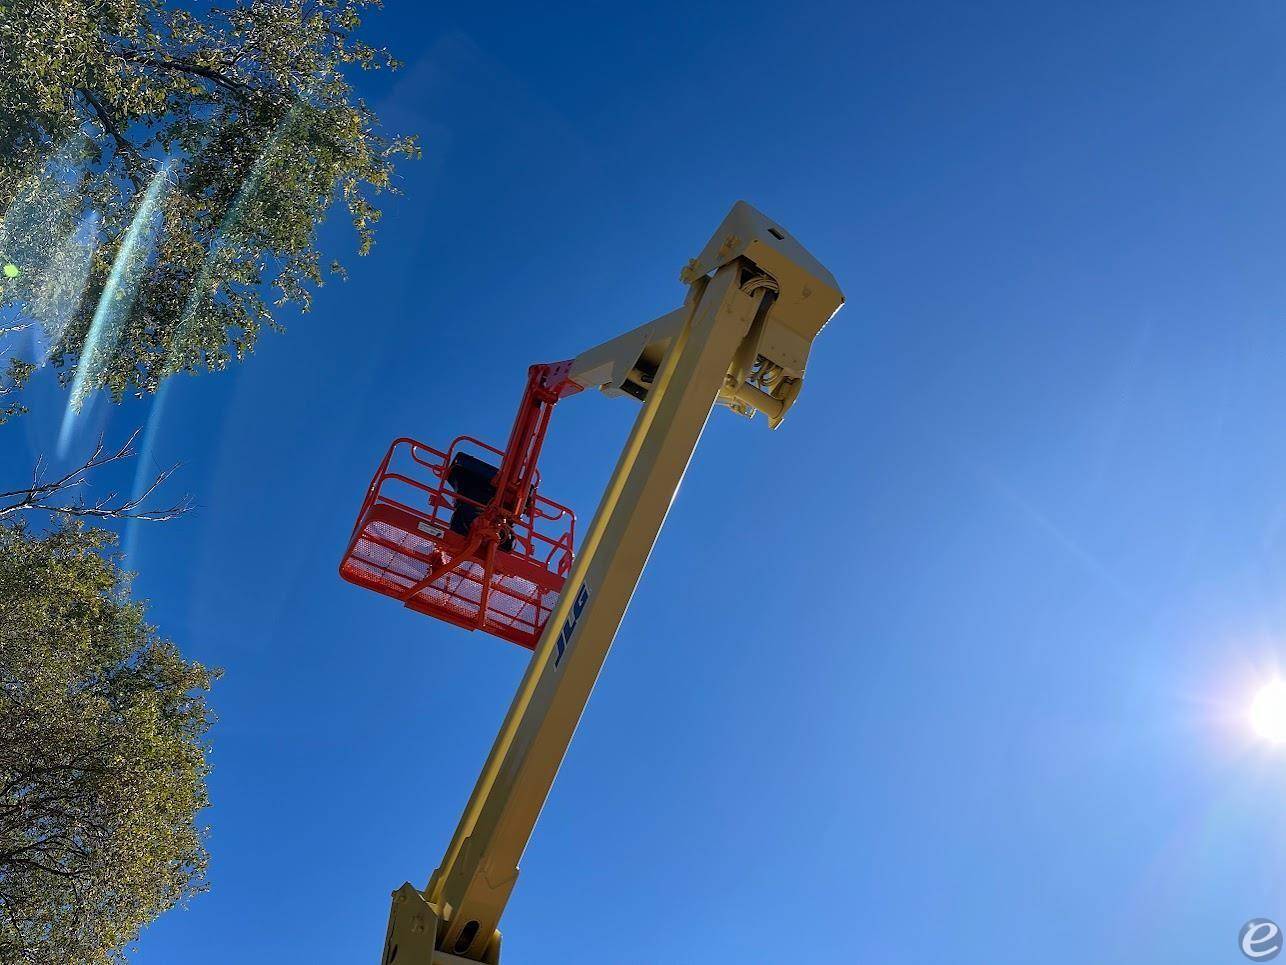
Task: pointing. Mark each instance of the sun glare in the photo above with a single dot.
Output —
(1268, 712)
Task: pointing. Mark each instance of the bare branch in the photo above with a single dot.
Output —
(51, 495)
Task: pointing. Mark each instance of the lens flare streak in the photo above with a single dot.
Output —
(116, 301)
(205, 287)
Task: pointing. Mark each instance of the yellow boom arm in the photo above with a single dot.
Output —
(756, 301)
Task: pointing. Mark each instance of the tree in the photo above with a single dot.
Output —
(164, 171)
(103, 761)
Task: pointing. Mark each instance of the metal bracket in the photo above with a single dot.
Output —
(767, 372)
(413, 931)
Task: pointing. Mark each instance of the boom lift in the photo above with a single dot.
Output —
(464, 535)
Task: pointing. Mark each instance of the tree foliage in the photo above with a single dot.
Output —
(164, 168)
(103, 759)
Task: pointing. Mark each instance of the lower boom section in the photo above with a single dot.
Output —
(414, 929)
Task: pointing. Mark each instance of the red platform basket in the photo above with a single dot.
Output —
(415, 521)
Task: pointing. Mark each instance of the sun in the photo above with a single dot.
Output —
(1268, 712)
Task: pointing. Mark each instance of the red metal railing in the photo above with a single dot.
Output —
(403, 546)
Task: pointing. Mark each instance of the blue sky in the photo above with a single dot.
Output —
(952, 667)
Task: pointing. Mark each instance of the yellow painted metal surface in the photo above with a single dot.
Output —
(756, 300)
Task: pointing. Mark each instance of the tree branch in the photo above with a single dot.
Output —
(49, 495)
(123, 144)
(238, 87)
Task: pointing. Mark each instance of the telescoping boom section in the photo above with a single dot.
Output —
(464, 534)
